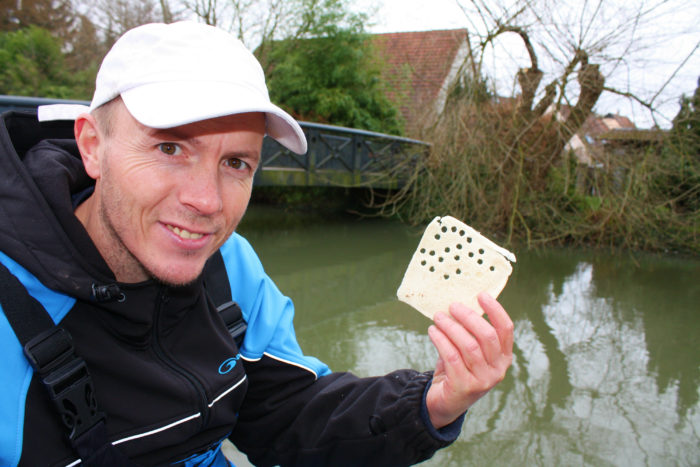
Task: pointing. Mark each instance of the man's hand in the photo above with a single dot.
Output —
(473, 357)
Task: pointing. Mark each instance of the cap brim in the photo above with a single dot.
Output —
(169, 104)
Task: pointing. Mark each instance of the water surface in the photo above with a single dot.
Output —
(607, 361)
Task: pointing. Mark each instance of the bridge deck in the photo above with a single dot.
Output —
(337, 156)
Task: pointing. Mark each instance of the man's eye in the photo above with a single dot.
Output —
(170, 149)
(235, 163)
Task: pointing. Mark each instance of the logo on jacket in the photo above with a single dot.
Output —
(229, 364)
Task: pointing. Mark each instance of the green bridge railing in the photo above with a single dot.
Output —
(337, 156)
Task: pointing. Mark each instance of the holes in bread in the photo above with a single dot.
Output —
(450, 250)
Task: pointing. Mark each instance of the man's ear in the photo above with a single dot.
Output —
(89, 140)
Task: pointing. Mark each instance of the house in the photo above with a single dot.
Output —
(605, 139)
(626, 141)
(419, 67)
(587, 144)
(608, 145)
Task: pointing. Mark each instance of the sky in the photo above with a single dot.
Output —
(660, 64)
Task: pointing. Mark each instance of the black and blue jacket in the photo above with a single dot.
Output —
(168, 376)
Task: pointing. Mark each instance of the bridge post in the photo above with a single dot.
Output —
(312, 136)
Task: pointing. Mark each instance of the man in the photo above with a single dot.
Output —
(110, 232)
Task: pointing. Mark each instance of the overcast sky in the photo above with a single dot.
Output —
(652, 65)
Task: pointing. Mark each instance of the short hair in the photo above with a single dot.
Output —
(104, 116)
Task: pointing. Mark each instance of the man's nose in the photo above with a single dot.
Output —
(201, 190)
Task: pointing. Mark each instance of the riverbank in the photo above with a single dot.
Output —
(523, 182)
(594, 225)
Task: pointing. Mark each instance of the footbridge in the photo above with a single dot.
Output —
(337, 156)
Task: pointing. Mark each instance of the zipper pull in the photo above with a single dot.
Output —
(107, 293)
(164, 295)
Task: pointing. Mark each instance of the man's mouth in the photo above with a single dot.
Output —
(185, 234)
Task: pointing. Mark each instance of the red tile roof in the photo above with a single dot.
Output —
(417, 66)
(596, 125)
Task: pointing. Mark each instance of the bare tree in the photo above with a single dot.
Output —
(167, 11)
(56, 16)
(567, 53)
(207, 10)
(112, 18)
(562, 40)
(498, 154)
(258, 22)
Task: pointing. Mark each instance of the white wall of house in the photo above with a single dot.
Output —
(455, 70)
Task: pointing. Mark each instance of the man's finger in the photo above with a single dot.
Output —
(485, 334)
(455, 368)
(500, 320)
(464, 344)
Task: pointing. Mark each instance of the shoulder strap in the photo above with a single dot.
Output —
(216, 283)
(25, 314)
(49, 349)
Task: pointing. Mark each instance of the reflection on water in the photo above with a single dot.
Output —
(607, 359)
(588, 397)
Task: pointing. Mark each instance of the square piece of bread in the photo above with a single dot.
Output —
(453, 263)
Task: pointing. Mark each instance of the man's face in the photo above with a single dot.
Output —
(166, 200)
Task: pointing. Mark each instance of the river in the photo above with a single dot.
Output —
(606, 366)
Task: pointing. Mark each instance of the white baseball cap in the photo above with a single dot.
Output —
(173, 74)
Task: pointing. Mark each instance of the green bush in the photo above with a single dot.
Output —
(32, 64)
(333, 79)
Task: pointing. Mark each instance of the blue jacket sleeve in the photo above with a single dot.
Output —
(268, 313)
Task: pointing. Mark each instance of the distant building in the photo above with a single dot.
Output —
(587, 145)
(420, 66)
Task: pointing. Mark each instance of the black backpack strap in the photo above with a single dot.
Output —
(216, 283)
(49, 349)
(216, 279)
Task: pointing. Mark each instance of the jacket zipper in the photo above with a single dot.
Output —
(171, 364)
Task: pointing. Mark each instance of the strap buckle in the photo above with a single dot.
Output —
(67, 379)
(232, 315)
